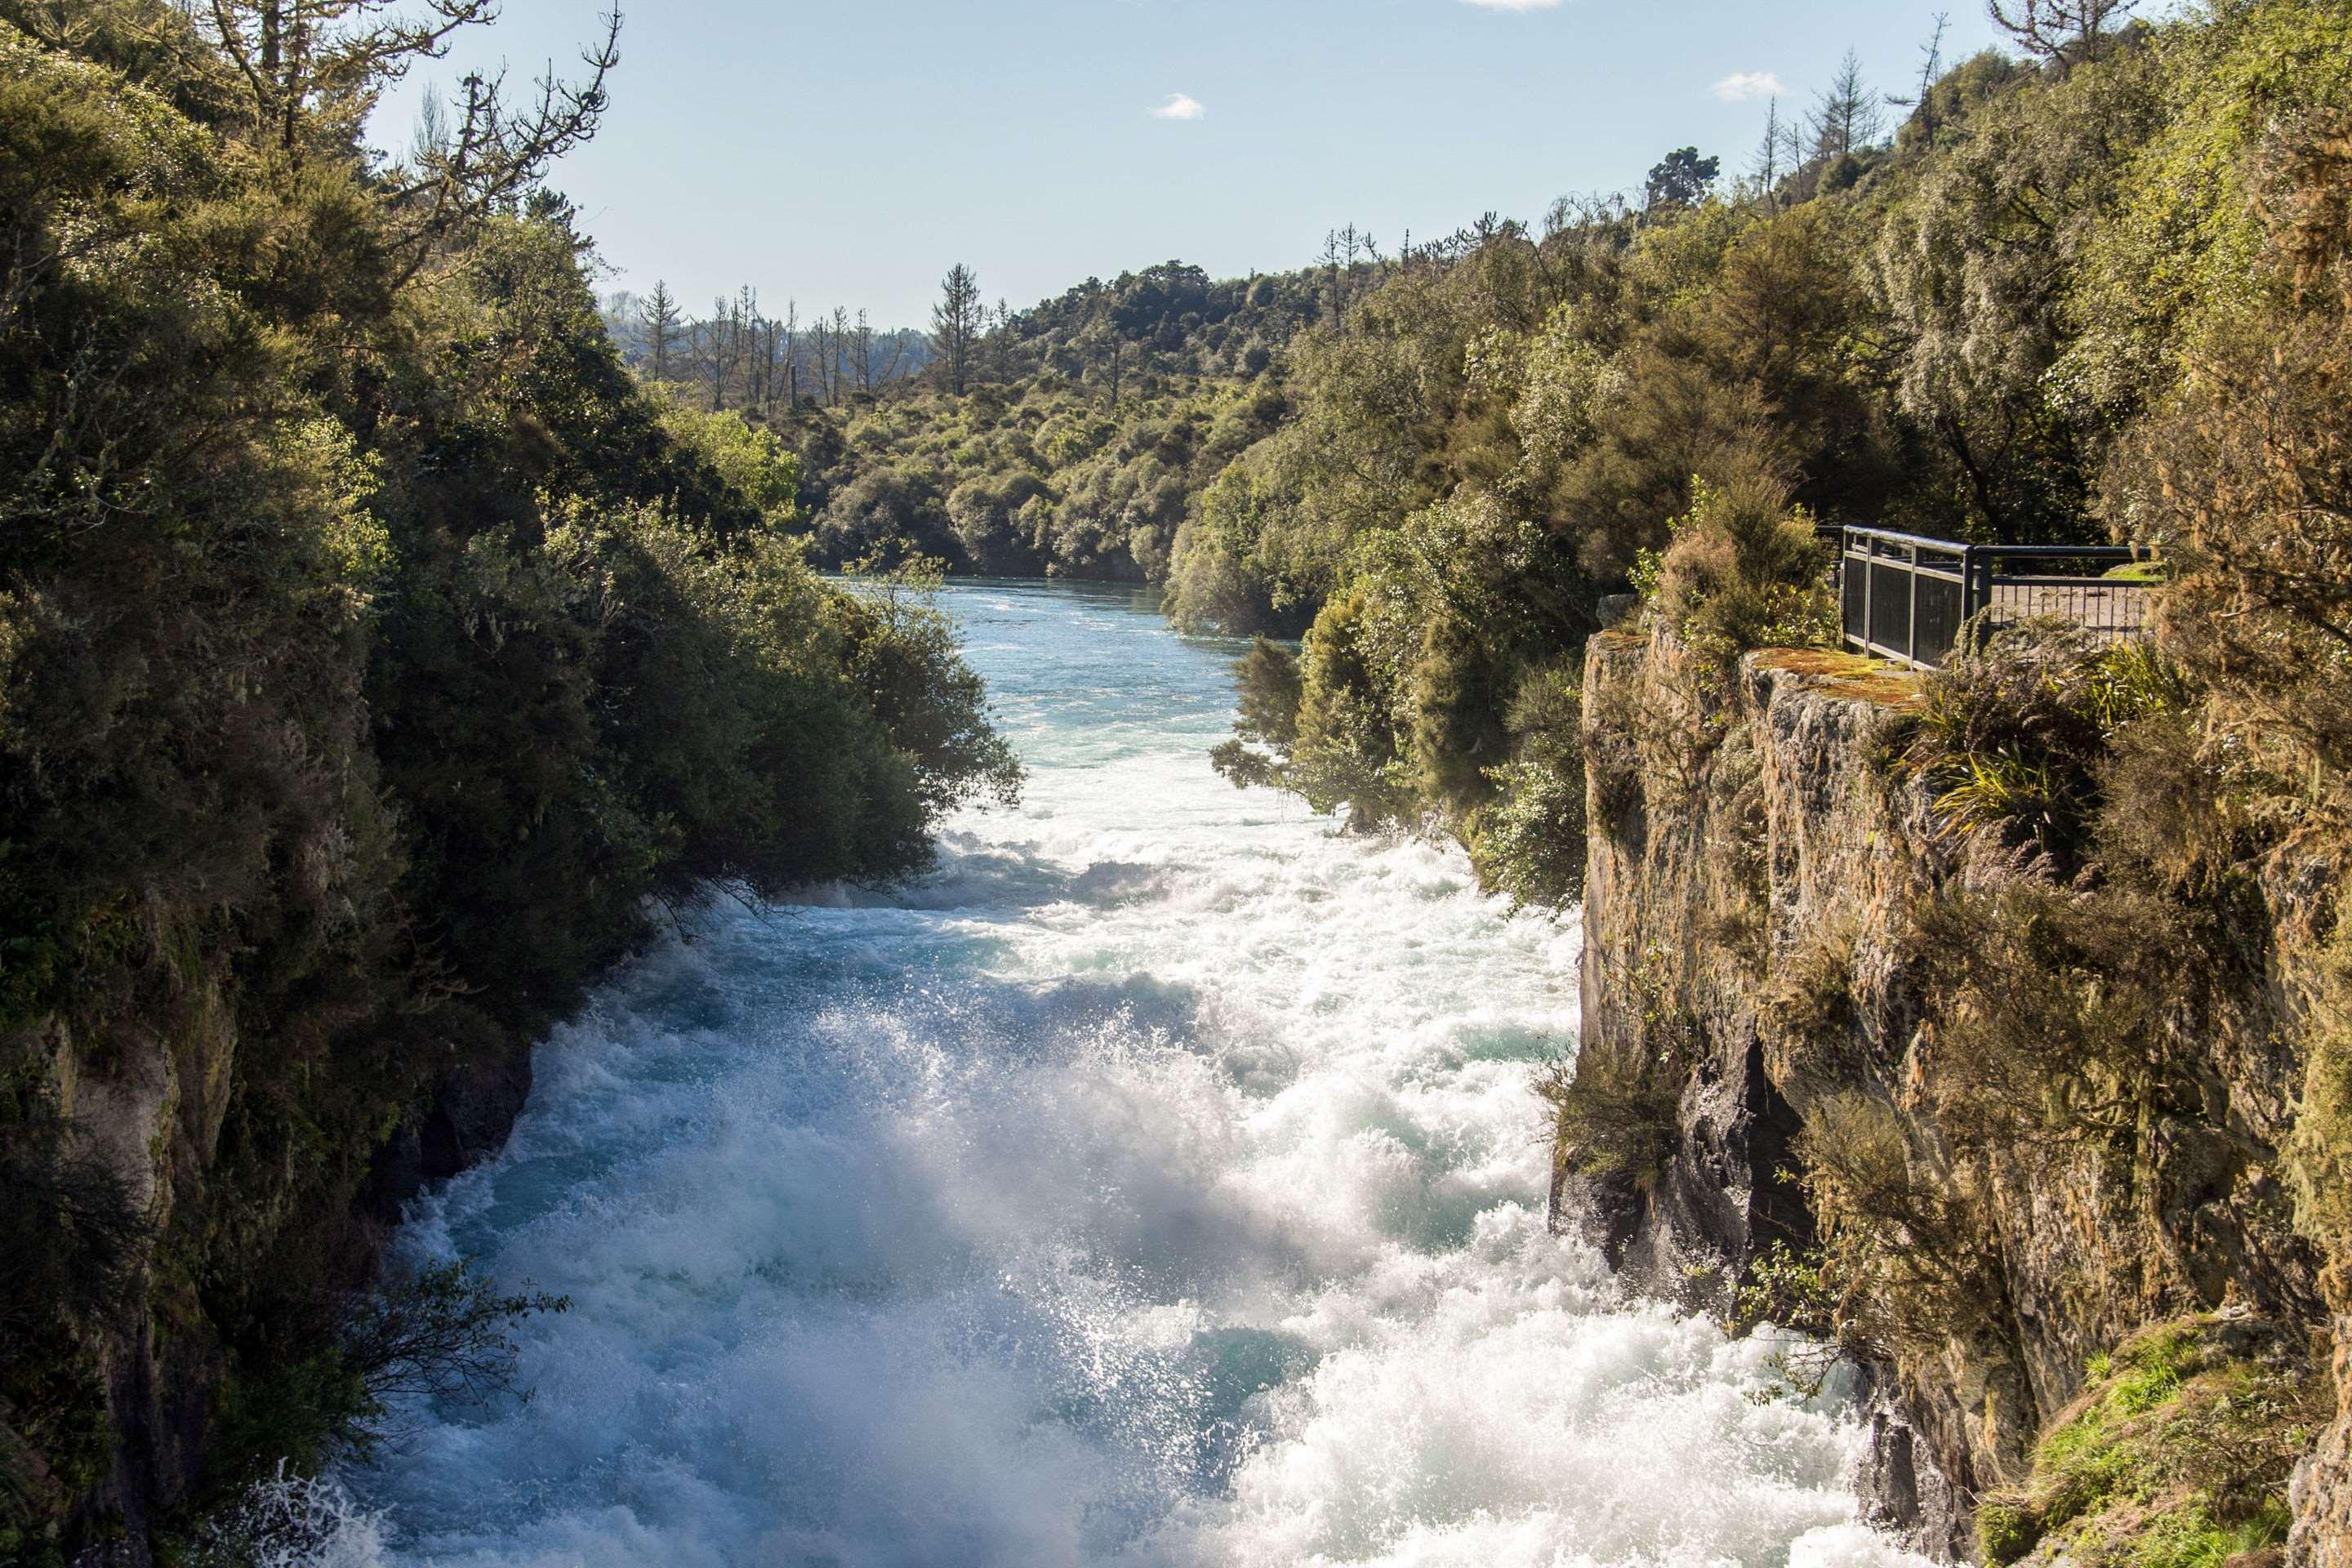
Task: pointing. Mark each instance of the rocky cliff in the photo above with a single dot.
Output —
(152, 1395)
(1795, 1102)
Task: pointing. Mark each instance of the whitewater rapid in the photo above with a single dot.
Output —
(1159, 1183)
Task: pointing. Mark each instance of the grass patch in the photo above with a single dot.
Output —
(1848, 675)
(2176, 1456)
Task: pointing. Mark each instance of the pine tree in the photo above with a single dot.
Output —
(956, 324)
(1847, 118)
(660, 315)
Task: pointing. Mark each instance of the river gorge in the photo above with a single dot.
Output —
(1156, 1182)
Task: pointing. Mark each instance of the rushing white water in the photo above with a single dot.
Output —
(1159, 1183)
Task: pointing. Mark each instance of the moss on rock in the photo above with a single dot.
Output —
(2177, 1454)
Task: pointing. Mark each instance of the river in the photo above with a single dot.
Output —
(1158, 1183)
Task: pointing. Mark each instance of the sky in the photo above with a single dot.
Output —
(848, 153)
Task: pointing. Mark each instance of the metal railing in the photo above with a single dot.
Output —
(1905, 597)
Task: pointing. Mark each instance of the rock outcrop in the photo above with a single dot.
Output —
(1758, 868)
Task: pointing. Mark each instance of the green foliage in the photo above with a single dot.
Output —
(1799, 1292)
(1616, 1104)
(1744, 571)
(1529, 844)
(372, 650)
(2014, 738)
(749, 459)
(1614, 1110)
(442, 1332)
(2178, 1454)
(1901, 1267)
(1348, 753)
(1269, 687)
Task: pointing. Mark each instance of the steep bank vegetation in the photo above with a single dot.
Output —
(2012, 1000)
(1970, 330)
(376, 662)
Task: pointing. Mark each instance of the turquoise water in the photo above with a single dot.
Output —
(1157, 1183)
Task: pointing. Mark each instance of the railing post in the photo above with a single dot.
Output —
(1870, 598)
(1911, 631)
(1976, 584)
(1844, 568)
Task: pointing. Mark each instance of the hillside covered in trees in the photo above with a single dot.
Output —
(1961, 322)
(377, 663)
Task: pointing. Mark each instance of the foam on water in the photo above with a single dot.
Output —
(1159, 1183)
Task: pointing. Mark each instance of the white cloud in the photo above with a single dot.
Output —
(1513, 5)
(1741, 86)
(1180, 106)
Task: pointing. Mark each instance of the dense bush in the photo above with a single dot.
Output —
(2013, 737)
(373, 655)
(1745, 570)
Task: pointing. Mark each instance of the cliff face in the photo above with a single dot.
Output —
(1761, 874)
(153, 1391)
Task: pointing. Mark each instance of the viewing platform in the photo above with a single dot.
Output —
(1905, 597)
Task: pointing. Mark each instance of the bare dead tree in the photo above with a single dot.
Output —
(1794, 153)
(837, 370)
(1768, 157)
(2067, 32)
(957, 322)
(1931, 68)
(1000, 341)
(314, 69)
(788, 330)
(744, 321)
(1845, 117)
(718, 346)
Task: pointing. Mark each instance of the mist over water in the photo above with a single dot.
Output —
(1158, 1183)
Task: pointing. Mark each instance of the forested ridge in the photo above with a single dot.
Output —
(1961, 311)
(378, 663)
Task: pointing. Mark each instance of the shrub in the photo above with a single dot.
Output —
(1617, 1104)
(1615, 1109)
(71, 1229)
(442, 1332)
(1529, 842)
(1744, 571)
(1903, 1264)
(1810, 1000)
(2013, 737)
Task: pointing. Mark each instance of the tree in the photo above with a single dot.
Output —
(1847, 118)
(837, 368)
(1000, 338)
(956, 324)
(2064, 31)
(1767, 156)
(661, 315)
(782, 340)
(717, 344)
(1931, 67)
(312, 71)
(1681, 179)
